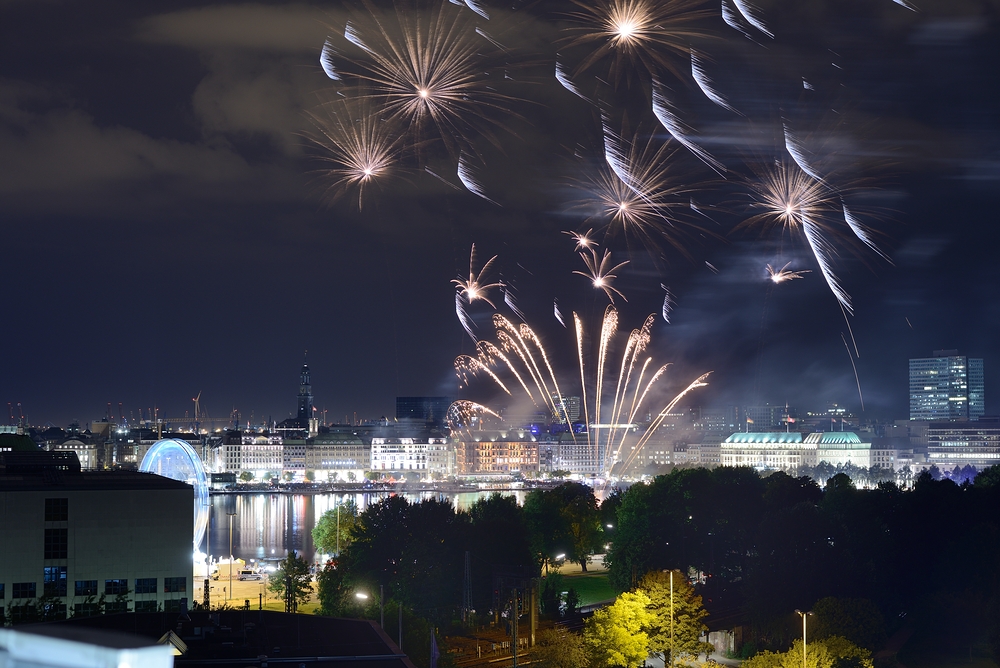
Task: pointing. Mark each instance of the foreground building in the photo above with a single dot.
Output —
(793, 450)
(72, 539)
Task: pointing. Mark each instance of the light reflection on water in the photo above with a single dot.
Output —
(269, 525)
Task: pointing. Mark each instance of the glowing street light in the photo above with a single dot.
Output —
(804, 615)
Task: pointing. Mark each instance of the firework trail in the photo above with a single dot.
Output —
(467, 175)
(798, 152)
(463, 316)
(630, 377)
(668, 304)
(558, 314)
(705, 83)
(326, 61)
(749, 12)
(477, 8)
(563, 78)
(473, 288)
(361, 148)
(862, 232)
(600, 273)
(734, 20)
(508, 299)
(784, 274)
(663, 109)
(905, 5)
(855, 367)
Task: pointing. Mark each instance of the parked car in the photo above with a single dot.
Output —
(250, 575)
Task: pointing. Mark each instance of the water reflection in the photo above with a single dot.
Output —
(269, 525)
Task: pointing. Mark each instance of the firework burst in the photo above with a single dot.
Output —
(428, 69)
(473, 287)
(646, 34)
(638, 193)
(360, 147)
(785, 196)
(600, 272)
(784, 274)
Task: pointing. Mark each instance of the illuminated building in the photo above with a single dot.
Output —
(401, 455)
(337, 456)
(85, 452)
(496, 452)
(792, 450)
(767, 450)
(964, 444)
(947, 386)
(72, 536)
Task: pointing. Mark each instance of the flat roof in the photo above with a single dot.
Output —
(88, 481)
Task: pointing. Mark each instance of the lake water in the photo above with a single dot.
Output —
(269, 525)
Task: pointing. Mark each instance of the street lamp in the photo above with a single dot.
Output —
(804, 615)
(362, 596)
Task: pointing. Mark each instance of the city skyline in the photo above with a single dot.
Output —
(166, 234)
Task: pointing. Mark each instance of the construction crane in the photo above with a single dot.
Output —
(200, 417)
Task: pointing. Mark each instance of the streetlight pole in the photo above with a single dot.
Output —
(804, 615)
(671, 617)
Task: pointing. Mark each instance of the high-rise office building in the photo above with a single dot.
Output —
(947, 386)
(431, 410)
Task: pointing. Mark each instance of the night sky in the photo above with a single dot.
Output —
(166, 230)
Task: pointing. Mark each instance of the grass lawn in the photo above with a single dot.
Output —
(592, 587)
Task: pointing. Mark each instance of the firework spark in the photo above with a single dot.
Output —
(563, 78)
(429, 70)
(361, 147)
(557, 313)
(473, 288)
(784, 274)
(601, 273)
(640, 33)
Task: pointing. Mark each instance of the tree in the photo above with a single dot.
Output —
(832, 652)
(558, 648)
(688, 614)
(246, 476)
(311, 476)
(614, 635)
(293, 572)
(330, 538)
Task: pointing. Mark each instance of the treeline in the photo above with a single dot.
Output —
(757, 547)
(419, 553)
(927, 557)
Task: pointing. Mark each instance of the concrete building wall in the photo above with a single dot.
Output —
(110, 534)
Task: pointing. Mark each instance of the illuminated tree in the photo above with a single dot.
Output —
(832, 652)
(616, 636)
(688, 614)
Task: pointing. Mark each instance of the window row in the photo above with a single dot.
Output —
(54, 584)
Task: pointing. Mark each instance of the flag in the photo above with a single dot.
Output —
(749, 421)
(435, 654)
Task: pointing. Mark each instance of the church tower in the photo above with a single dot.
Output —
(305, 397)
